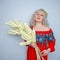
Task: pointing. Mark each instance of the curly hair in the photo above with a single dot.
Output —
(45, 22)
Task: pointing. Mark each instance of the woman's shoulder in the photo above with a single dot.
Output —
(46, 28)
(49, 29)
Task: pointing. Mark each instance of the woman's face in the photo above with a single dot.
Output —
(39, 17)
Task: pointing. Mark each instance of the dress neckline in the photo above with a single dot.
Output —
(39, 31)
(43, 31)
(47, 31)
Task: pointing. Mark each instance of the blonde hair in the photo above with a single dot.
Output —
(45, 22)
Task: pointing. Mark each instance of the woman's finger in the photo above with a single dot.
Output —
(44, 52)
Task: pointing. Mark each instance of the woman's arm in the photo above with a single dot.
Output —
(51, 42)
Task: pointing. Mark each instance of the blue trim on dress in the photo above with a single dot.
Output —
(43, 37)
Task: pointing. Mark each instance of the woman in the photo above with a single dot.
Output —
(45, 39)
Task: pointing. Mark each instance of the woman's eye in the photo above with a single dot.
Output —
(41, 15)
(37, 14)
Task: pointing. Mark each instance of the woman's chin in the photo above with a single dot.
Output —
(38, 20)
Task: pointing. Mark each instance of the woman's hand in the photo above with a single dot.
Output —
(45, 52)
(33, 44)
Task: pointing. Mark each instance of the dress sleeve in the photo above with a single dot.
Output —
(51, 41)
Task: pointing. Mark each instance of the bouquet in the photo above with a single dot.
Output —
(26, 33)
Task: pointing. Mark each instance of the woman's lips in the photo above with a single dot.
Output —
(38, 18)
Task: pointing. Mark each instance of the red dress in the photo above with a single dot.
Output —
(44, 40)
